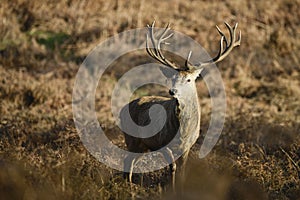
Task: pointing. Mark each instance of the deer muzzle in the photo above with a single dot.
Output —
(172, 92)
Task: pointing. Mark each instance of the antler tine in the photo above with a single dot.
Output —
(187, 61)
(223, 52)
(152, 33)
(238, 42)
(156, 52)
(147, 47)
(222, 35)
(165, 32)
(160, 40)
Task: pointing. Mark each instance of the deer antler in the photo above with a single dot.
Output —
(223, 52)
(225, 47)
(155, 52)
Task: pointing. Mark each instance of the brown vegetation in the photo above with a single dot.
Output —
(42, 44)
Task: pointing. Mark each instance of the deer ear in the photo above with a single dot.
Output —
(168, 72)
(197, 72)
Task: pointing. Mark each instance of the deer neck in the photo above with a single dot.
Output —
(188, 113)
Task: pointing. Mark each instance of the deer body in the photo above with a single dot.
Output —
(182, 109)
(162, 138)
(183, 115)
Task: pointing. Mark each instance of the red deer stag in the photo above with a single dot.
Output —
(183, 110)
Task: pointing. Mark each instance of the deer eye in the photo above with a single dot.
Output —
(189, 80)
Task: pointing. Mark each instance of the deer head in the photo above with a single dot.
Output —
(183, 81)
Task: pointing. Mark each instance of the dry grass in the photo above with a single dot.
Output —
(44, 42)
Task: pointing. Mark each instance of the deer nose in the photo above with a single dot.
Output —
(172, 92)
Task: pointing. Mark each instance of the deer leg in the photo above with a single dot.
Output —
(182, 164)
(129, 163)
(168, 155)
(172, 167)
(128, 167)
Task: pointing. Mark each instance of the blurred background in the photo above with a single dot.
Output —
(43, 43)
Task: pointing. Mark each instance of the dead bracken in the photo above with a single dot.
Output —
(42, 45)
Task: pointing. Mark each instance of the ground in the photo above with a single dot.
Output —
(42, 45)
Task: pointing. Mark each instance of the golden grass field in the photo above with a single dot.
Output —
(43, 43)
